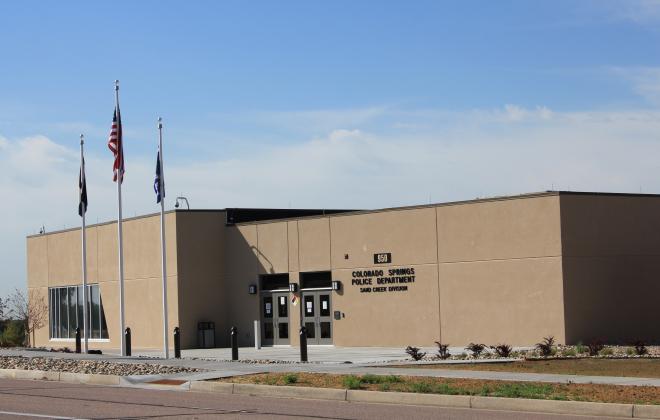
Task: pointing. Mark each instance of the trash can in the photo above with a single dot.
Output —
(205, 335)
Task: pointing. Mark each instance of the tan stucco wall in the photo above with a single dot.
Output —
(500, 271)
(611, 261)
(55, 260)
(201, 295)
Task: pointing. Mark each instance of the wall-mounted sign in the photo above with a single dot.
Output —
(382, 280)
(383, 258)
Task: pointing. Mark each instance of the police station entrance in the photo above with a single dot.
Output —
(316, 316)
(274, 309)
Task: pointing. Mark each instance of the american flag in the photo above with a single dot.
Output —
(159, 181)
(115, 144)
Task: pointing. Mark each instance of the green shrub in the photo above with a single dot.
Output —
(569, 352)
(421, 387)
(580, 348)
(607, 351)
(352, 382)
(392, 379)
(384, 387)
(630, 351)
(462, 356)
(371, 379)
(13, 335)
(446, 389)
(290, 378)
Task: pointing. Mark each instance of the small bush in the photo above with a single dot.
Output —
(421, 387)
(371, 379)
(607, 351)
(630, 351)
(290, 378)
(569, 353)
(352, 382)
(443, 350)
(384, 387)
(475, 349)
(462, 356)
(502, 350)
(595, 347)
(640, 348)
(415, 353)
(580, 348)
(546, 347)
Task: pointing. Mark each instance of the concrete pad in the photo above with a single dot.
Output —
(461, 401)
(646, 411)
(554, 407)
(37, 374)
(212, 386)
(290, 392)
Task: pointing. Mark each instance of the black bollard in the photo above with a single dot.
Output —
(177, 343)
(127, 341)
(78, 346)
(234, 343)
(303, 344)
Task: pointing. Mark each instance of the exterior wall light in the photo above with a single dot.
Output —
(293, 287)
(252, 289)
(336, 285)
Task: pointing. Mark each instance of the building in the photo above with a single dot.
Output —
(578, 266)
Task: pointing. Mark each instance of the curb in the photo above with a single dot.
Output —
(332, 394)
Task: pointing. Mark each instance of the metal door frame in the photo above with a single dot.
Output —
(316, 293)
(275, 320)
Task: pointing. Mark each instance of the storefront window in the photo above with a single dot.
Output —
(66, 312)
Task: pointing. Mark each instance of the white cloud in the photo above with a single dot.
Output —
(447, 155)
(645, 81)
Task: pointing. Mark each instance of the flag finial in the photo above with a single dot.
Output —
(82, 139)
(160, 122)
(116, 84)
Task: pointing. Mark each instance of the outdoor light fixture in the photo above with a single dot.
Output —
(176, 205)
(293, 287)
(336, 285)
(252, 289)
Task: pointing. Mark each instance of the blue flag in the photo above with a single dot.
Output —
(160, 194)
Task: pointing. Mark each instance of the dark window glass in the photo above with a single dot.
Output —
(308, 307)
(309, 328)
(325, 330)
(315, 279)
(282, 307)
(275, 281)
(283, 328)
(73, 313)
(79, 307)
(268, 330)
(324, 301)
(104, 326)
(64, 312)
(268, 306)
(95, 312)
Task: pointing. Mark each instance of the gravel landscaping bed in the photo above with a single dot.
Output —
(101, 367)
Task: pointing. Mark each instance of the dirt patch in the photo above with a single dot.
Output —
(638, 368)
(452, 386)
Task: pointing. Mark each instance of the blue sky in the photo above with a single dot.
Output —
(355, 104)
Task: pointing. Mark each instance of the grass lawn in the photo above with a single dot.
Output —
(638, 368)
(451, 386)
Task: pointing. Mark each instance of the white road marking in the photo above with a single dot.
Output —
(45, 416)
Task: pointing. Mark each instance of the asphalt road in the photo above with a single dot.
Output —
(21, 399)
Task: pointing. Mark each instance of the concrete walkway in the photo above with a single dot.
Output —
(365, 361)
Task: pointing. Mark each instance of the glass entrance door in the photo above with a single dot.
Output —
(275, 319)
(317, 316)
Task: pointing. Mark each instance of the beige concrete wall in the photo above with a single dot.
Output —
(500, 271)
(202, 297)
(314, 244)
(611, 260)
(55, 260)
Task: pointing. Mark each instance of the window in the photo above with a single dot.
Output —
(65, 305)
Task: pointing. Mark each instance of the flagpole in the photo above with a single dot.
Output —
(120, 177)
(161, 190)
(84, 245)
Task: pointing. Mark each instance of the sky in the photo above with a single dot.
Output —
(310, 104)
